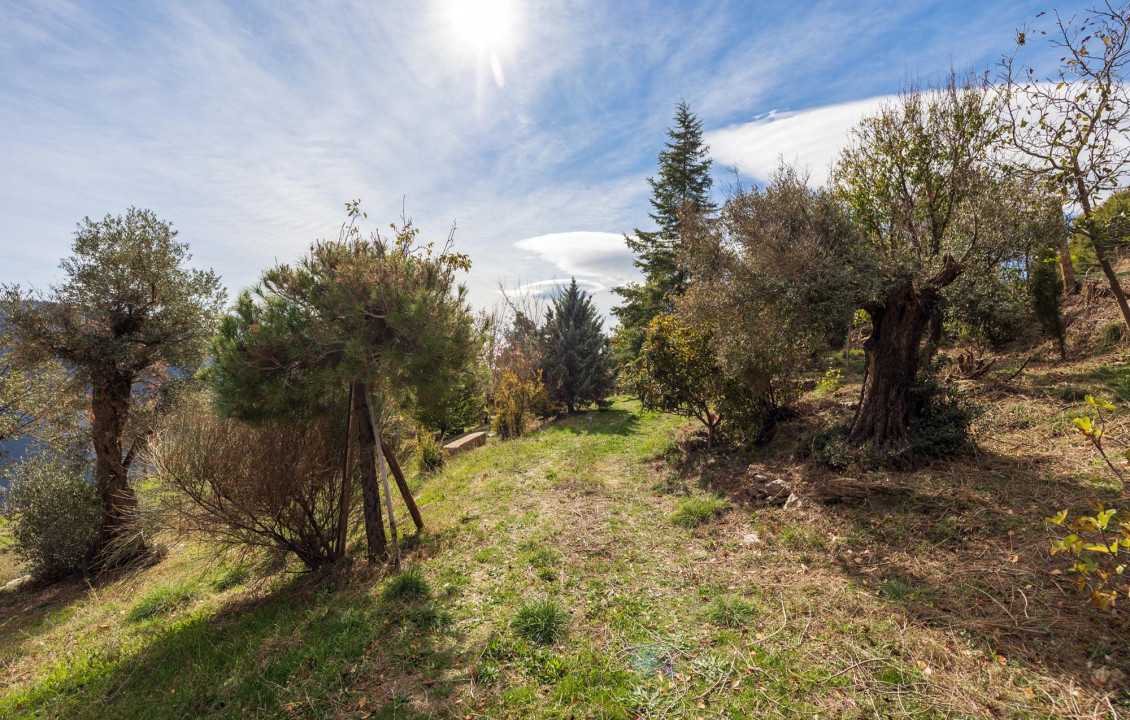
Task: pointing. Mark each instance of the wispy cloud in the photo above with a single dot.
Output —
(810, 139)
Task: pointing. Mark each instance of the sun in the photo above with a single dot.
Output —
(484, 25)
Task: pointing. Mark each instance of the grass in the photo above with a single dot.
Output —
(909, 607)
(542, 621)
(698, 510)
(162, 601)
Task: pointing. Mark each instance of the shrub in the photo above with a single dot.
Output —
(989, 309)
(56, 514)
(942, 419)
(408, 584)
(698, 509)
(829, 446)
(431, 452)
(1093, 543)
(276, 486)
(543, 622)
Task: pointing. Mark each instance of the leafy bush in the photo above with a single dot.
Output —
(942, 419)
(832, 381)
(1093, 544)
(56, 514)
(829, 446)
(407, 584)
(698, 509)
(431, 452)
(989, 309)
(543, 622)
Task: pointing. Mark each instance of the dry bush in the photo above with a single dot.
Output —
(275, 486)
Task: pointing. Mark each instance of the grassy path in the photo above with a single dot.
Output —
(736, 614)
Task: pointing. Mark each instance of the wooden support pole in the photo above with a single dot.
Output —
(388, 502)
(346, 482)
(402, 484)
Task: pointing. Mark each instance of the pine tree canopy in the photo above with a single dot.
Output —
(683, 184)
(578, 362)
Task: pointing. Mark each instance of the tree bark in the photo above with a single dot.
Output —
(370, 493)
(110, 398)
(891, 354)
(1066, 269)
(1115, 285)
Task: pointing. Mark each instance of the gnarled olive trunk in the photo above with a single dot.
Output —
(366, 455)
(891, 354)
(110, 399)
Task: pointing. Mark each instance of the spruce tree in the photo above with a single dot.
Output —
(578, 363)
(682, 185)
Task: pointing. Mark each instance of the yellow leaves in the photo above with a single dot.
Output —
(1058, 518)
(1099, 403)
(1087, 427)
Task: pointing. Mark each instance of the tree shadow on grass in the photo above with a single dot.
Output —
(311, 648)
(959, 545)
(613, 421)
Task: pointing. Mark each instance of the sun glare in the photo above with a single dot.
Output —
(485, 25)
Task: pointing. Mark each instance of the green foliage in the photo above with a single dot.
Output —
(677, 372)
(577, 362)
(829, 446)
(698, 510)
(942, 419)
(128, 310)
(517, 390)
(1045, 288)
(56, 514)
(431, 452)
(1097, 546)
(383, 311)
(162, 601)
(989, 308)
(408, 584)
(682, 187)
(832, 381)
(1094, 429)
(543, 622)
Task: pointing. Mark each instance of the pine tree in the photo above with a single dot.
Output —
(683, 184)
(578, 362)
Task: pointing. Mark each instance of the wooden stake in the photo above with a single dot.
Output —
(388, 503)
(404, 491)
(346, 482)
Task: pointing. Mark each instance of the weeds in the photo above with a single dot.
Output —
(543, 622)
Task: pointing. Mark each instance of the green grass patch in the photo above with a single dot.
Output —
(698, 510)
(162, 601)
(543, 622)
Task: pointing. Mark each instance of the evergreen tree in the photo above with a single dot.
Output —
(578, 361)
(682, 185)
(1045, 287)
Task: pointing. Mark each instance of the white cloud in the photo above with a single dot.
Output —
(809, 138)
(601, 259)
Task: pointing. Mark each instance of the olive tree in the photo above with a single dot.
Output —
(918, 179)
(128, 311)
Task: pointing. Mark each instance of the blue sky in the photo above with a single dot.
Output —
(249, 125)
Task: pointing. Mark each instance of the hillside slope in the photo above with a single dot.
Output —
(684, 599)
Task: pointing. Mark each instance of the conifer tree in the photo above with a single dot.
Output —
(682, 185)
(578, 361)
